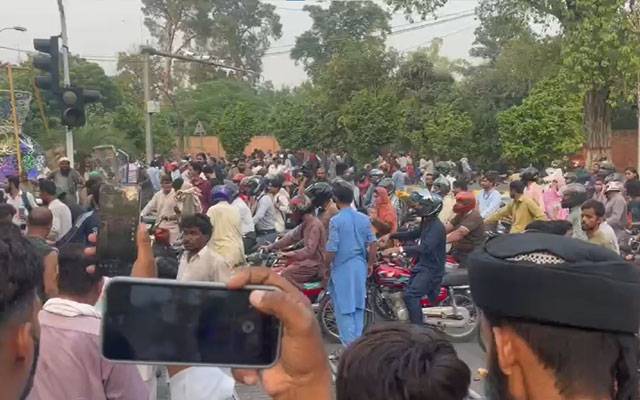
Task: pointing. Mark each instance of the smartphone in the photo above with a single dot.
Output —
(119, 217)
(158, 321)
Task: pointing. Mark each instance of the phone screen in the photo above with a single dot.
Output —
(164, 321)
(119, 216)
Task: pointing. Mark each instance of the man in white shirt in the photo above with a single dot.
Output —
(162, 205)
(199, 261)
(23, 202)
(61, 213)
(246, 220)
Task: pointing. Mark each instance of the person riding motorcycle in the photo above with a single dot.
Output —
(427, 274)
(375, 176)
(321, 196)
(465, 231)
(305, 264)
(246, 219)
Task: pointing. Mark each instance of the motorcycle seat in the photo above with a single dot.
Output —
(457, 278)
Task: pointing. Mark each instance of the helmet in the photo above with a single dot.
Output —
(425, 204)
(441, 186)
(319, 193)
(376, 175)
(388, 184)
(233, 190)
(529, 174)
(220, 193)
(465, 202)
(274, 181)
(606, 168)
(614, 177)
(614, 186)
(443, 167)
(301, 204)
(252, 185)
(573, 195)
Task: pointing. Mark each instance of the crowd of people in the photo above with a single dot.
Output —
(560, 309)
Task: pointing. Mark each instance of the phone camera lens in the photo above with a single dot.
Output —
(248, 327)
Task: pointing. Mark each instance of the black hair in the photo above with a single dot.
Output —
(341, 168)
(15, 180)
(343, 192)
(402, 361)
(559, 227)
(177, 183)
(569, 354)
(632, 170)
(199, 221)
(40, 216)
(491, 177)
(518, 186)
(166, 179)
(7, 211)
(203, 155)
(207, 169)
(48, 186)
(460, 184)
(595, 205)
(196, 166)
(633, 188)
(73, 277)
(20, 275)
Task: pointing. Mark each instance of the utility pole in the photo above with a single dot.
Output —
(14, 116)
(67, 78)
(147, 115)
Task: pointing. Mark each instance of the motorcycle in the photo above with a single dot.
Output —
(453, 311)
(318, 296)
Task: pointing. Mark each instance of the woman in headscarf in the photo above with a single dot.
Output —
(384, 216)
(553, 197)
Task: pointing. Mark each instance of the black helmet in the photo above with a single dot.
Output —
(274, 181)
(529, 174)
(388, 184)
(425, 204)
(233, 190)
(252, 185)
(319, 193)
(573, 195)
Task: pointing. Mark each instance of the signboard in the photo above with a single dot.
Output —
(199, 131)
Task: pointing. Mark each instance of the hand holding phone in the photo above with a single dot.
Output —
(302, 371)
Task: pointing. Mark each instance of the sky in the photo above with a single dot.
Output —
(99, 29)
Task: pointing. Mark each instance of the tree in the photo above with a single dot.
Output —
(238, 125)
(372, 120)
(292, 119)
(90, 75)
(545, 127)
(340, 23)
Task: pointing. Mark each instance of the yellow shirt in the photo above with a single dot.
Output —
(522, 212)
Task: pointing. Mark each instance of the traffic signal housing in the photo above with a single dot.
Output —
(74, 99)
(48, 60)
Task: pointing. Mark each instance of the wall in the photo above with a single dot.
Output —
(624, 148)
(212, 145)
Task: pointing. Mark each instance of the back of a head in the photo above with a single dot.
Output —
(40, 217)
(399, 362)
(20, 275)
(342, 191)
(73, 278)
(48, 187)
(7, 211)
(518, 186)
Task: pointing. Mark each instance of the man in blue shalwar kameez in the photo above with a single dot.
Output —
(351, 252)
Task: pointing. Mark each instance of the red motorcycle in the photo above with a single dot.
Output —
(453, 312)
(318, 296)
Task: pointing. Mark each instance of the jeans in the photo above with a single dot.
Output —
(350, 326)
(419, 285)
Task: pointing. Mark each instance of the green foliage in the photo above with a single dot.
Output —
(237, 126)
(333, 27)
(445, 133)
(371, 120)
(547, 126)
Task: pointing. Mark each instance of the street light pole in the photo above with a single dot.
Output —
(67, 78)
(14, 28)
(147, 115)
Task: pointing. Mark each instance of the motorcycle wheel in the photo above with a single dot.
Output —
(470, 331)
(327, 319)
(380, 306)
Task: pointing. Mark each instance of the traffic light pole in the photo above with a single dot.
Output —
(67, 77)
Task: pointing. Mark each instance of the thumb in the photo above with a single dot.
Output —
(287, 307)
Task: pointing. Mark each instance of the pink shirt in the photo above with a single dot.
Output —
(70, 365)
(534, 191)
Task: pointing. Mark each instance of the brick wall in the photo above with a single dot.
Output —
(212, 145)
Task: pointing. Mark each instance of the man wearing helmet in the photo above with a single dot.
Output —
(321, 196)
(465, 231)
(226, 239)
(573, 196)
(305, 264)
(616, 207)
(430, 251)
(265, 214)
(375, 176)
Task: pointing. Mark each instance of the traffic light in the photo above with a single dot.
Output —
(48, 61)
(74, 100)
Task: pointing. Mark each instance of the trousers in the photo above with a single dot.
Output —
(420, 284)
(351, 325)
